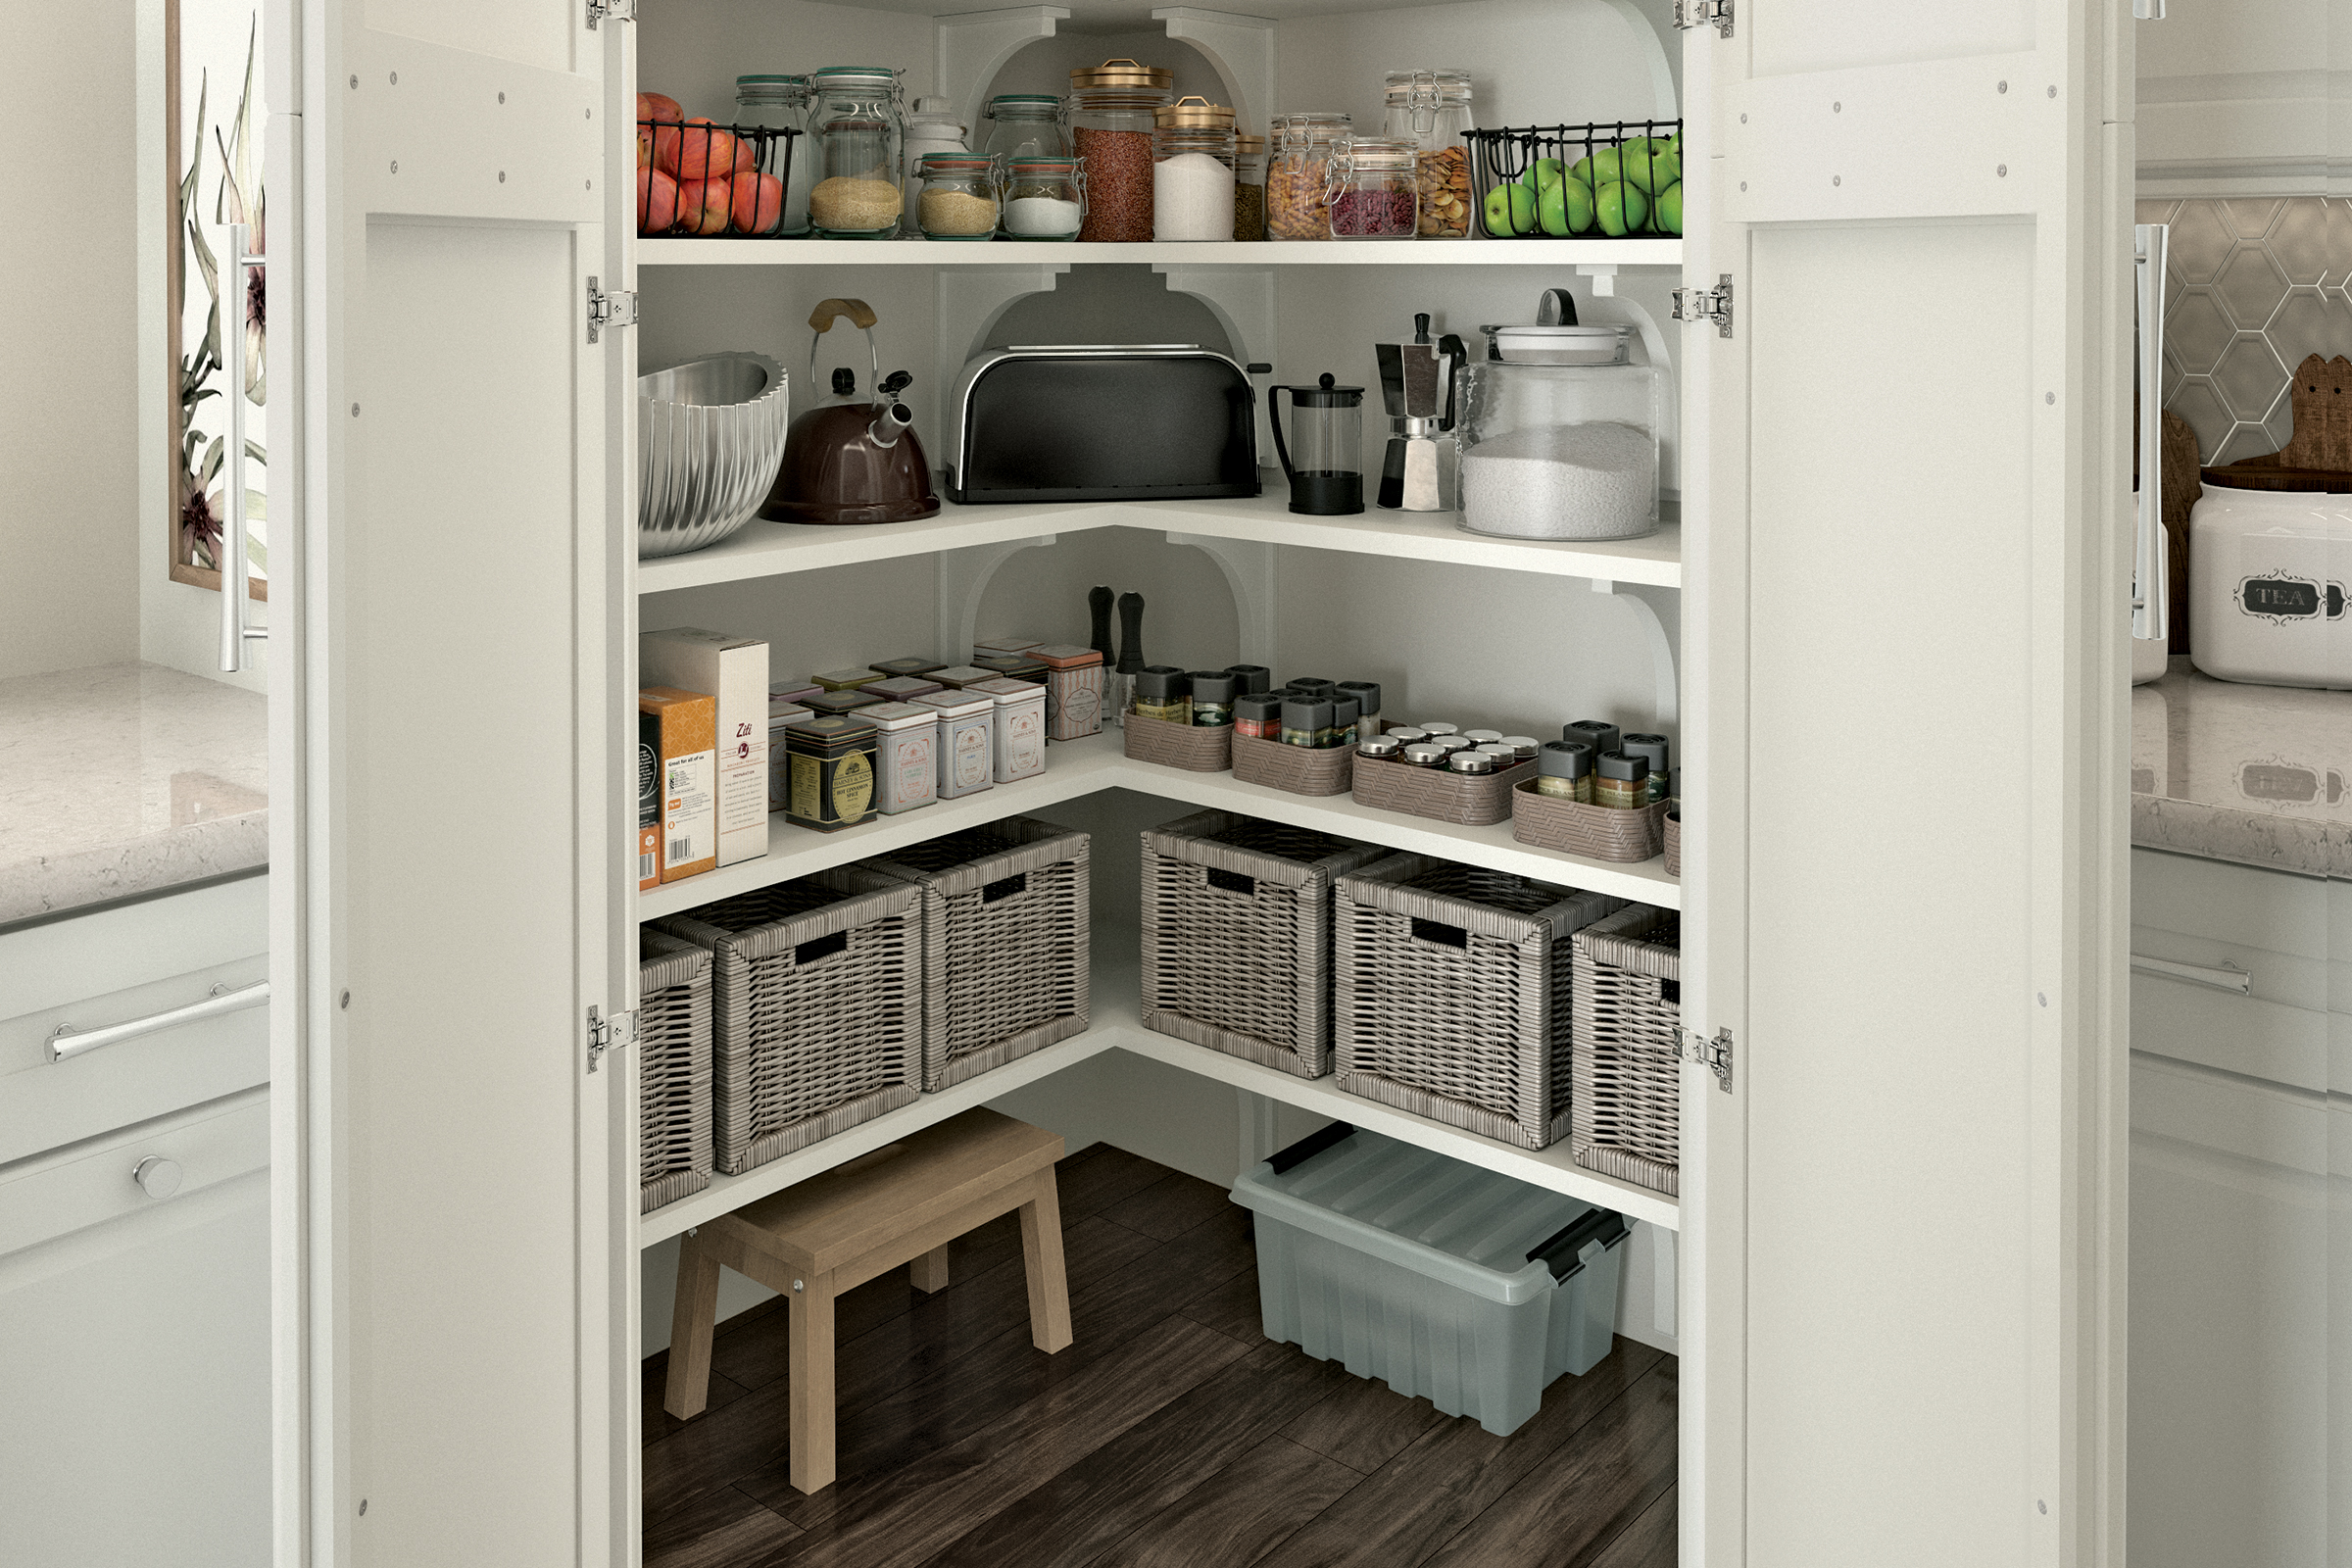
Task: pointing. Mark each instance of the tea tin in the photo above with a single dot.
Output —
(955, 678)
(780, 717)
(842, 680)
(1073, 690)
(905, 756)
(841, 702)
(1020, 728)
(966, 741)
(906, 667)
(832, 759)
(901, 688)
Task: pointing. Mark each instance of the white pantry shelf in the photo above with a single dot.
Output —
(1115, 1023)
(1099, 762)
(772, 549)
(1552, 253)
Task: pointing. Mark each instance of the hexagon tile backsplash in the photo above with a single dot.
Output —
(2254, 285)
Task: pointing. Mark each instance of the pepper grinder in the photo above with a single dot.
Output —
(1131, 650)
(1097, 604)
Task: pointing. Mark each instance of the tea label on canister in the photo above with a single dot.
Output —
(913, 780)
(971, 760)
(1026, 741)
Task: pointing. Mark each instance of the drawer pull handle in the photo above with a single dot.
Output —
(157, 1176)
(2228, 976)
(67, 1041)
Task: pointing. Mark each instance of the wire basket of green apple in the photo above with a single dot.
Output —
(1620, 180)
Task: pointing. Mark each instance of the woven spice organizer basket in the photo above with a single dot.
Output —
(673, 1069)
(1237, 936)
(1004, 960)
(817, 1011)
(1674, 842)
(1463, 799)
(1577, 828)
(1292, 770)
(1195, 747)
(1453, 994)
(1626, 1104)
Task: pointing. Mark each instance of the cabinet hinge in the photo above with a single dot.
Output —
(1715, 1054)
(607, 1034)
(611, 11)
(1706, 305)
(1688, 13)
(616, 308)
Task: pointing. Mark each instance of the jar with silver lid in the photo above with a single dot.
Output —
(1438, 727)
(1524, 747)
(1450, 743)
(1408, 734)
(1424, 753)
(1504, 756)
(1481, 737)
(1473, 762)
(1380, 747)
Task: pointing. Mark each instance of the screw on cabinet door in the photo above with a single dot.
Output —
(157, 1176)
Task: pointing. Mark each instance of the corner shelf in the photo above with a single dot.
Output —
(771, 549)
(1611, 253)
(1100, 763)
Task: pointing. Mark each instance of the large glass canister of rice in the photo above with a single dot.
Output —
(860, 130)
(1559, 435)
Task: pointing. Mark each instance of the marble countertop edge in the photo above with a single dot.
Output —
(59, 884)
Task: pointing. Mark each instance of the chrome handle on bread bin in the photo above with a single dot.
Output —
(2151, 590)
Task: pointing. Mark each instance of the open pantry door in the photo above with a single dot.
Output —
(1906, 641)
(453, 1268)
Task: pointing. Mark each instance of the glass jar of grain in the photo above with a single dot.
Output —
(959, 196)
(1111, 130)
(860, 133)
(1249, 187)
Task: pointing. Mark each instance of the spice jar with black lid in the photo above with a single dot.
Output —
(1367, 699)
(1112, 109)
(1314, 686)
(1620, 781)
(1344, 717)
(1254, 677)
(1305, 721)
(1258, 715)
(1652, 749)
(1213, 692)
(1597, 733)
(1564, 770)
(1163, 692)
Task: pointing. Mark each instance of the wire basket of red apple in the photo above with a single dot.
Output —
(697, 176)
(1621, 179)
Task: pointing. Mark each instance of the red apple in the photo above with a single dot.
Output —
(745, 157)
(644, 146)
(704, 150)
(657, 202)
(659, 106)
(758, 203)
(703, 205)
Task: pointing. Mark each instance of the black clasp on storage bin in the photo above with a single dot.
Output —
(1562, 1252)
(1307, 1147)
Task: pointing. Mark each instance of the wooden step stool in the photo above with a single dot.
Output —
(833, 1232)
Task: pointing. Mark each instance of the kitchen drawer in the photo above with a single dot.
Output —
(96, 1180)
(114, 965)
(2273, 926)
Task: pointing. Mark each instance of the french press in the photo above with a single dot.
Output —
(1327, 432)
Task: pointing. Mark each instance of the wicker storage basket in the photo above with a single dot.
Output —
(673, 1068)
(1237, 936)
(1627, 1100)
(1453, 994)
(1596, 832)
(1457, 798)
(818, 1019)
(1674, 842)
(1005, 941)
(1199, 747)
(1295, 769)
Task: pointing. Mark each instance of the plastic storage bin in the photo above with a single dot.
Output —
(1448, 1282)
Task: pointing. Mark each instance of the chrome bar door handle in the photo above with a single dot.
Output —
(233, 568)
(2228, 976)
(2151, 586)
(66, 1041)
(2147, 10)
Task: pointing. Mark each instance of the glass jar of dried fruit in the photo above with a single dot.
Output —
(1433, 108)
(1370, 190)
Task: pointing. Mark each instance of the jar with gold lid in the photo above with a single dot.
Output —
(1112, 109)
(1192, 171)
(1249, 188)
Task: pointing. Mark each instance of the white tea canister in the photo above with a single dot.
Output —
(966, 741)
(1020, 731)
(905, 756)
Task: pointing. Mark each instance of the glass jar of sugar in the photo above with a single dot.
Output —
(1192, 171)
(1045, 198)
(1559, 435)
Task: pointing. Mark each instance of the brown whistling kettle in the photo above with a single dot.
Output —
(853, 459)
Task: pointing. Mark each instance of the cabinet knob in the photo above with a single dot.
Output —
(157, 1176)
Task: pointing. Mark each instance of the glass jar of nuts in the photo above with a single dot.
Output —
(1433, 108)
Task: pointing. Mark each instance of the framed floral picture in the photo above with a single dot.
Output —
(213, 114)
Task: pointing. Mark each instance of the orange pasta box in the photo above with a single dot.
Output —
(649, 798)
(734, 670)
(688, 752)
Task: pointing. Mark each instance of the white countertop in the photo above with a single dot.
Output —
(124, 779)
(2257, 774)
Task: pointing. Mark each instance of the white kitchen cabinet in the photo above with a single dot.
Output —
(1903, 949)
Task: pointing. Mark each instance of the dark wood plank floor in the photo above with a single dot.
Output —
(1172, 1435)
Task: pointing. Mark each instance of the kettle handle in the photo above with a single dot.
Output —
(1274, 423)
(860, 314)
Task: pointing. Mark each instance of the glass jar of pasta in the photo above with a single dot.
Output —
(1296, 172)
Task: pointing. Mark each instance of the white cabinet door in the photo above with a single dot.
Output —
(1910, 667)
(445, 691)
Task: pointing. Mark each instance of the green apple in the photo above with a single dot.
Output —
(1654, 172)
(1622, 208)
(1577, 203)
(1511, 210)
(1551, 211)
(1670, 207)
(1582, 173)
(1542, 174)
(1606, 165)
